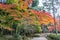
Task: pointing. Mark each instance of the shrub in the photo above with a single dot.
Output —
(37, 29)
(54, 36)
(29, 30)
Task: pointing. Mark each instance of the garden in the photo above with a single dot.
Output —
(19, 20)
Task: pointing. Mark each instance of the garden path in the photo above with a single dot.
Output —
(42, 36)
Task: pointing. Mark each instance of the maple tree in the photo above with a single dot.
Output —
(19, 12)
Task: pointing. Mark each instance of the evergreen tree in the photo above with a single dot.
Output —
(35, 3)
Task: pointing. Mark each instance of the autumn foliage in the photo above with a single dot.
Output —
(21, 11)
